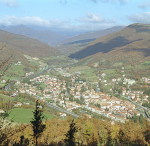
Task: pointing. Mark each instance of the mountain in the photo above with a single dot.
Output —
(18, 46)
(76, 43)
(45, 36)
(131, 44)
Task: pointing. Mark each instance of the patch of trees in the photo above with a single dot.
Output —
(26, 80)
(147, 92)
(146, 104)
(136, 87)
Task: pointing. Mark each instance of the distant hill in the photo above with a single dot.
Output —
(18, 46)
(76, 43)
(132, 44)
(45, 36)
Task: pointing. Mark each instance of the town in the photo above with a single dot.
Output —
(71, 92)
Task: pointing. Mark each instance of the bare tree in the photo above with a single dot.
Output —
(4, 66)
(4, 124)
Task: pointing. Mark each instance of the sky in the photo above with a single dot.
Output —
(74, 15)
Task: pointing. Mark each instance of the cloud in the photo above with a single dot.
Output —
(29, 21)
(144, 5)
(90, 23)
(105, 1)
(140, 18)
(93, 27)
(94, 18)
(9, 3)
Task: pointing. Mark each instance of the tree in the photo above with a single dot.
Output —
(4, 132)
(37, 125)
(23, 142)
(4, 65)
(70, 138)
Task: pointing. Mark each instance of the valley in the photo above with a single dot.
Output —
(109, 85)
(74, 73)
(76, 90)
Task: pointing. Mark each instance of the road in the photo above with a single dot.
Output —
(98, 88)
(50, 105)
(62, 110)
(30, 77)
(145, 108)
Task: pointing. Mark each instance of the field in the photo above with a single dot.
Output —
(21, 115)
(17, 69)
(109, 71)
(86, 72)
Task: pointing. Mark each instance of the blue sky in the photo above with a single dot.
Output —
(74, 15)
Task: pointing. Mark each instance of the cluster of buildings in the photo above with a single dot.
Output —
(110, 107)
(59, 92)
(26, 88)
(136, 96)
(146, 80)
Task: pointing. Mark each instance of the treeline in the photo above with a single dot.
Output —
(83, 131)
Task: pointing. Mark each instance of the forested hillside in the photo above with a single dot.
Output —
(76, 43)
(91, 132)
(18, 46)
(132, 40)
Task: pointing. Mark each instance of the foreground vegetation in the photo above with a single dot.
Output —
(70, 132)
(87, 132)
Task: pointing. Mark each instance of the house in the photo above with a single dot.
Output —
(18, 104)
(2, 111)
(114, 80)
(13, 95)
(116, 106)
(103, 75)
(100, 111)
(61, 101)
(105, 105)
(63, 115)
(86, 115)
(3, 81)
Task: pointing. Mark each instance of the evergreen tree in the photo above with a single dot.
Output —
(70, 138)
(37, 125)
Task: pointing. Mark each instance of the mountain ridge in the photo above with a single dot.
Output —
(128, 37)
(18, 45)
(76, 43)
(45, 36)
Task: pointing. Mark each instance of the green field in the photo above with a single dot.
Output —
(117, 64)
(21, 115)
(17, 69)
(86, 72)
(109, 71)
(146, 63)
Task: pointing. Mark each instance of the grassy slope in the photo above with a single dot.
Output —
(86, 72)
